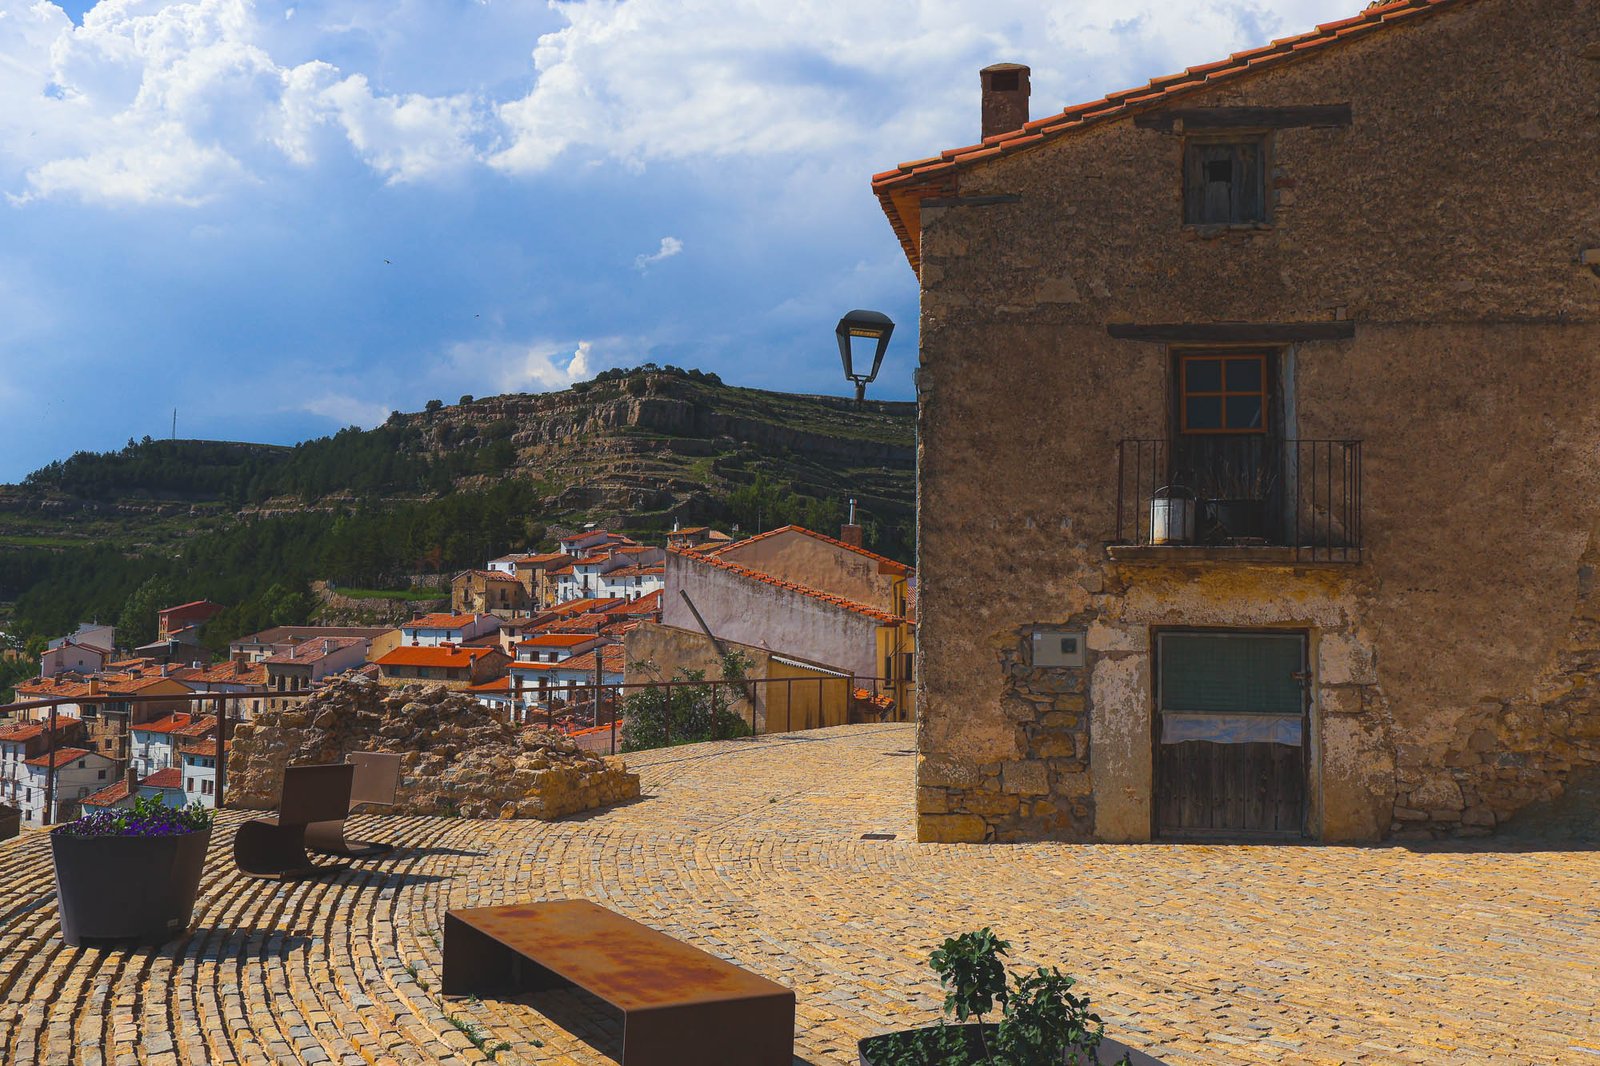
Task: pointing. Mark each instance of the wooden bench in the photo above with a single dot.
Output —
(680, 1006)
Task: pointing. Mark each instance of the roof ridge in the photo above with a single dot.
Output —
(792, 527)
(921, 178)
(806, 590)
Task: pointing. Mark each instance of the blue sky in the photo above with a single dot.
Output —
(284, 218)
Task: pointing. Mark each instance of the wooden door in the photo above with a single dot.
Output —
(1230, 729)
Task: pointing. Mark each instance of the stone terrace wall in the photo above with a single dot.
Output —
(458, 757)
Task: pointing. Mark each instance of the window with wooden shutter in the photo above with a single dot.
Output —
(1224, 182)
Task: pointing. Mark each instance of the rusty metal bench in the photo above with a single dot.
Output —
(377, 780)
(274, 847)
(680, 1006)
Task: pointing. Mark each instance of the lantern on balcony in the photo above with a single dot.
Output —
(860, 332)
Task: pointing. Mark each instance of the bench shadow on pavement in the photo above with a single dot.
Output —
(586, 1020)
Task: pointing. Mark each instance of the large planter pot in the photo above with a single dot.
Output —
(1239, 519)
(1108, 1053)
(127, 887)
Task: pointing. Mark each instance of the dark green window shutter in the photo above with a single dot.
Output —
(1229, 674)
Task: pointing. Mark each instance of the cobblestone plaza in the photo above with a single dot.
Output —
(753, 850)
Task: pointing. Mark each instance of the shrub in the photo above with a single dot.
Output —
(689, 711)
(1042, 1024)
(148, 817)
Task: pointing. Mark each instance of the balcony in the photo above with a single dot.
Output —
(1238, 498)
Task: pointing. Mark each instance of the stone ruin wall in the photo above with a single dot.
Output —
(457, 757)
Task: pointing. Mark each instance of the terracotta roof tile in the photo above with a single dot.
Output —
(901, 190)
(883, 561)
(445, 656)
(171, 777)
(310, 651)
(61, 757)
(109, 796)
(441, 621)
(816, 594)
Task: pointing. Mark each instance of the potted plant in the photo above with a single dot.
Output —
(130, 871)
(1236, 499)
(1041, 1024)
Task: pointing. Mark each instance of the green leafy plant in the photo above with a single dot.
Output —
(146, 817)
(1042, 1022)
(690, 711)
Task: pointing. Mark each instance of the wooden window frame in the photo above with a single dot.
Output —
(1223, 393)
(1193, 182)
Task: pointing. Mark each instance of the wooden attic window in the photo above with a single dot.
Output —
(1224, 182)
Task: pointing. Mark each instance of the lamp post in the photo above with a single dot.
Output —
(865, 326)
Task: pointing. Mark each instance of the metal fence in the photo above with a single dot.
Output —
(1239, 490)
(592, 715)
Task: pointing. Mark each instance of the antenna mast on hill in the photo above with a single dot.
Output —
(174, 423)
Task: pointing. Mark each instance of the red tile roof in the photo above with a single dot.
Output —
(555, 640)
(901, 190)
(310, 651)
(885, 564)
(169, 724)
(650, 603)
(61, 757)
(499, 684)
(109, 796)
(171, 777)
(202, 747)
(23, 732)
(612, 656)
(816, 594)
(441, 621)
(202, 726)
(447, 657)
(228, 673)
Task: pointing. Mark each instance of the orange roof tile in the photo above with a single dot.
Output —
(816, 594)
(555, 640)
(445, 656)
(310, 651)
(612, 656)
(109, 796)
(61, 757)
(499, 684)
(171, 777)
(884, 562)
(169, 724)
(441, 621)
(901, 190)
(23, 732)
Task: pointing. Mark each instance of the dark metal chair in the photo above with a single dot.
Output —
(274, 847)
(377, 780)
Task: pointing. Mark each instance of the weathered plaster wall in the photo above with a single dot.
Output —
(768, 616)
(817, 564)
(1451, 667)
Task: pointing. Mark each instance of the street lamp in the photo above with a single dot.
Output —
(865, 326)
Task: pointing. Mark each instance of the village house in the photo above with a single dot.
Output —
(238, 677)
(443, 664)
(691, 538)
(302, 666)
(491, 591)
(108, 717)
(200, 771)
(255, 647)
(155, 744)
(24, 741)
(592, 541)
(1305, 340)
(171, 621)
(788, 630)
(587, 577)
(77, 773)
(433, 630)
(532, 570)
(70, 655)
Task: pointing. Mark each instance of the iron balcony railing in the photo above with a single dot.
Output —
(1226, 490)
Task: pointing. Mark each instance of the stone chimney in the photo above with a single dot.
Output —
(1005, 98)
(850, 533)
(132, 780)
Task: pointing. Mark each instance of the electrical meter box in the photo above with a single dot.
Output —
(1058, 647)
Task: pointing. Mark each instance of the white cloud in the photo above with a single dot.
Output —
(180, 102)
(347, 410)
(540, 366)
(184, 100)
(637, 81)
(670, 246)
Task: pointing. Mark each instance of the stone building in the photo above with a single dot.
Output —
(1279, 376)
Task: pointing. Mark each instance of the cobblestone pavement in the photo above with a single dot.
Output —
(753, 851)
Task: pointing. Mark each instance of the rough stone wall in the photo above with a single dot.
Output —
(1047, 792)
(1451, 671)
(458, 758)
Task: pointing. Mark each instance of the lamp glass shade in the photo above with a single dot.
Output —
(865, 328)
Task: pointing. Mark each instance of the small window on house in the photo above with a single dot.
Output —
(1224, 183)
(1222, 393)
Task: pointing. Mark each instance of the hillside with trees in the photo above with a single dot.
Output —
(104, 535)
